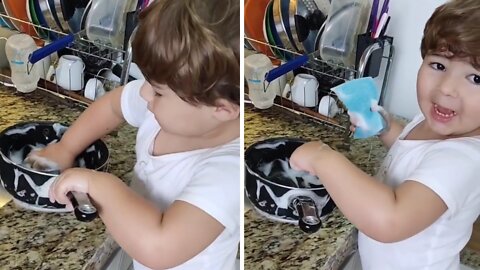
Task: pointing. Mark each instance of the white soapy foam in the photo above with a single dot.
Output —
(53, 141)
(266, 168)
(270, 145)
(358, 120)
(20, 130)
(287, 173)
(59, 129)
(37, 146)
(81, 163)
(16, 156)
(90, 149)
(47, 164)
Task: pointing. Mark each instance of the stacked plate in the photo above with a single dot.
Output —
(282, 28)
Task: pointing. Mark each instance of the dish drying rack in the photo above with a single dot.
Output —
(89, 51)
(332, 74)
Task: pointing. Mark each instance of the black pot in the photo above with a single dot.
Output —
(280, 194)
(29, 186)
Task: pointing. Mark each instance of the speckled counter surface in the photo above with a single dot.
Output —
(41, 241)
(273, 245)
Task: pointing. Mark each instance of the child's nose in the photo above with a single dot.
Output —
(449, 86)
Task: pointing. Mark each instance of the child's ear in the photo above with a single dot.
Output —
(226, 110)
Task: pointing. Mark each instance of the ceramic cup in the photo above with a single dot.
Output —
(70, 72)
(304, 90)
(328, 106)
(46, 68)
(94, 89)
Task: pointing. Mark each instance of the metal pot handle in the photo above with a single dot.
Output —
(308, 215)
(84, 209)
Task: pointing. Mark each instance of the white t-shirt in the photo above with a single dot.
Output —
(451, 168)
(206, 178)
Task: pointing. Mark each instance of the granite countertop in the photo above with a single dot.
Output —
(275, 245)
(41, 241)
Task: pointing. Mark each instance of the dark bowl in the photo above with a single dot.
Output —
(280, 193)
(30, 186)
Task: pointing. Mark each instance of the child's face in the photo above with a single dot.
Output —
(174, 114)
(448, 92)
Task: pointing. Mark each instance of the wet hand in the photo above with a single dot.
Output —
(354, 121)
(54, 157)
(75, 179)
(305, 157)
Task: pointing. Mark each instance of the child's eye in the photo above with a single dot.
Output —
(475, 79)
(437, 66)
(157, 94)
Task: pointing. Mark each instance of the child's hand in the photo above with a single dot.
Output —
(54, 157)
(76, 179)
(304, 157)
(354, 121)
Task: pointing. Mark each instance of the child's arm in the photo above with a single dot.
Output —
(395, 128)
(99, 119)
(382, 213)
(155, 239)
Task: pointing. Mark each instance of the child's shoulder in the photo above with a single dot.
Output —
(469, 147)
(229, 149)
(221, 158)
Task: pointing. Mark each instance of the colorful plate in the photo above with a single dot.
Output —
(254, 16)
(18, 9)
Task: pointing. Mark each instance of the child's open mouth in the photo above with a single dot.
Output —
(442, 114)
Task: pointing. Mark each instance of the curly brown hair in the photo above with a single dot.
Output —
(454, 27)
(193, 46)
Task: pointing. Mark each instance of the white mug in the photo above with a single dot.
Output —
(304, 90)
(69, 73)
(94, 89)
(328, 106)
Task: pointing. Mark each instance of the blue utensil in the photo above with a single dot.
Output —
(51, 48)
(290, 65)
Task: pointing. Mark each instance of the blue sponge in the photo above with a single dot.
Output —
(359, 96)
